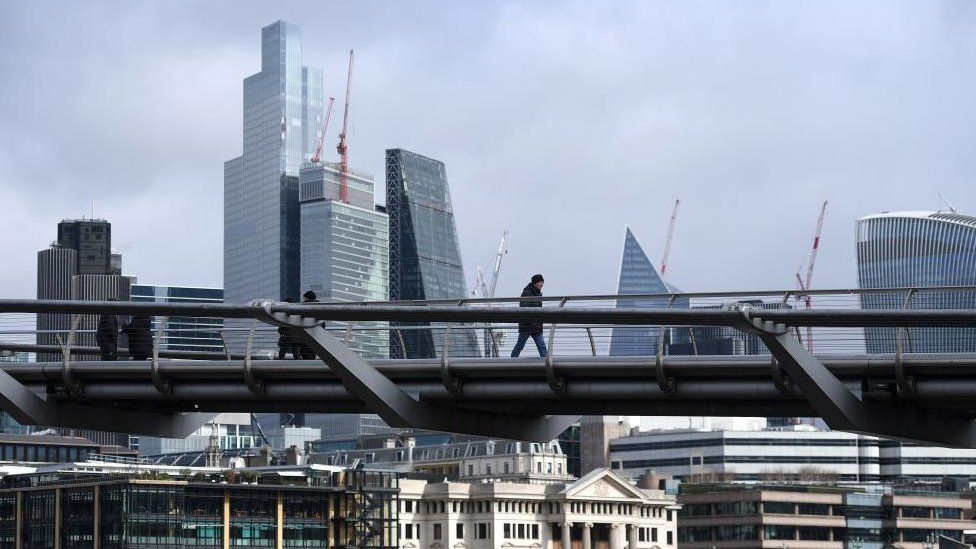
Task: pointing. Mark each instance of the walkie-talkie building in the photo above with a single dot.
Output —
(425, 258)
(917, 250)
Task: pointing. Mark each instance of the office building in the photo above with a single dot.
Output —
(600, 510)
(180, 333)
(282, 119)
(39, 448)
(917, 250)
(569, 441)
(444, 456)
(345, 249)
(595, 435)
(92, 239)
(126, 505)
(56, 266)
(230, 431)
(425, 257)
(817, 517)
(794, 452)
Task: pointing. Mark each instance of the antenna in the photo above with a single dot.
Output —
(947, 203)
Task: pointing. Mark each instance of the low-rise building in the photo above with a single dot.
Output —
(599, 511)
(445, 456)
(114, 505)
(816, 517)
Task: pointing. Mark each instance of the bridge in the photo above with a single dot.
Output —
(919, 396)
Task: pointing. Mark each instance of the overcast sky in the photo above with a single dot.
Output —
(561, 121)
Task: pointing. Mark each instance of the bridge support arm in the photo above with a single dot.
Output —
(398, 408)
(843, 410)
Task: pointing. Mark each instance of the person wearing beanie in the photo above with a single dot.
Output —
(531, 329)
(304, 351)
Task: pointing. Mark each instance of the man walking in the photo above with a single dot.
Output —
(304, 351)
(531, 329)
(139, 330)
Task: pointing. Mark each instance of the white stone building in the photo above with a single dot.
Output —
(599, 511)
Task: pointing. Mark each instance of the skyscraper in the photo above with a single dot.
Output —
(345, 248)
(282, 116)
(637, 277)
(917, 250)
(425, 258)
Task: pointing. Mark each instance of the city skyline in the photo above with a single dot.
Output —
(518, 138)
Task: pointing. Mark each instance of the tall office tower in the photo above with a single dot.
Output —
(92, 239)
(282, 117)
(638, 276)
(55, 268)
(917, 250)
(180, 333)
(425, 258)
(345, 248)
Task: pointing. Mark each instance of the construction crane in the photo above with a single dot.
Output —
(325, 126)
(342, 147)
(483, 289)
(502, 250)
(810, 259)
(667, 241)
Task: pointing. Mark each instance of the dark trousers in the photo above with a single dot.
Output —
(540, 343)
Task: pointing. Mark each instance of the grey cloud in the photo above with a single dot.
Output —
(559, 122)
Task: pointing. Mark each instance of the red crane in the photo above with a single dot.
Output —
(804, 285)
(342, 147)
(325, 126)
(667, 241)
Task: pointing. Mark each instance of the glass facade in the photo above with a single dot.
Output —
(638, 276)
(282, 116)
(184, 333)
(918, 250)
(425, 257)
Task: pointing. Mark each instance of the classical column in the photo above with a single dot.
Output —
(615, 535)
(631, 536)
(57, 518)
(226, 540)
(587, 535)
(280, 521)
(567, 541)
(97, 514)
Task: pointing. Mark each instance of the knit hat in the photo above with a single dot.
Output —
(309, 296)
(537, 278)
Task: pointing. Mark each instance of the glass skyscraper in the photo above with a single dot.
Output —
(638, 276)
(282, 120)
(425, 258)
(345, 249)
(918, 250)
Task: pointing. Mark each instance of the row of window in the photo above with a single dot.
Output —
(820, 509)
(479, 506)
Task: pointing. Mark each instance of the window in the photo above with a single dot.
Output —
(670, 537)
(470, 470)
(559, 468)
(549, 468)
(482, 532)
(670, 517)
(409, 505)
(459, 530)
(778, 507)
(505, 467)
(521, 531)
(487, 468)
(507, 530)
(538, 467)
(654, 535)
(535, 531)
(408, 531)
(437, 531)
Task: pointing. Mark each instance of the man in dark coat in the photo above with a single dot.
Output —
(304, 351)
(286, 341)
(139, 330)
(107, 336)
(531, 329)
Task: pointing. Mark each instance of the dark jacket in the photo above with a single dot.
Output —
(531, 328)
(107, 334)
(140, 337)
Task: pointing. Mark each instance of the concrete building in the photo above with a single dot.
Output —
(600, 511)
(183, 333)
(104, 505)
(444, 456)
(231, 431)
(816, 517)
(797, 452)
(425, 257)
(282, 120)
(595, 435)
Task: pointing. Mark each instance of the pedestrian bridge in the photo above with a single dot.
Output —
(818, 353)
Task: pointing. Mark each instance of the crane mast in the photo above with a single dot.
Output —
(502, 250)
(343, 148)
(325, 126)
(667, 242)
(805, 284)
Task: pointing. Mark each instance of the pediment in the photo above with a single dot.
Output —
(602, 485)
